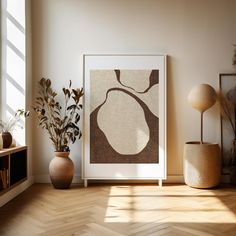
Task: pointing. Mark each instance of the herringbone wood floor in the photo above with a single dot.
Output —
(121, 210)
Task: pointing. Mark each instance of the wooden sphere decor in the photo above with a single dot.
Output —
(202, 97)
(202, 165)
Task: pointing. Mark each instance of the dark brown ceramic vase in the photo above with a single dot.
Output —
(61, 170)
(6, 139)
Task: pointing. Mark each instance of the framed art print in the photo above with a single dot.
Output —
(227, 82)
(124, 117)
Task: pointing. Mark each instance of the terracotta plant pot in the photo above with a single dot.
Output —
(7, 139)
(61, 170)
(202, 164)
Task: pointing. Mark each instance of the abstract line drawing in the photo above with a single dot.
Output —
(124, 128)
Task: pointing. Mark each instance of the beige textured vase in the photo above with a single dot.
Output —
(202, 164)
(61, 170)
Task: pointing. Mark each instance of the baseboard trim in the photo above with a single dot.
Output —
(177, 179)
(6, 197)
(174, 179)
(171, 179)
(225, 179)
(42, 179)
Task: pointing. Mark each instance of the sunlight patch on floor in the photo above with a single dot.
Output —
(134, 204)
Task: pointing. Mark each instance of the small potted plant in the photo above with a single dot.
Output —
(7, 127)
(61, 123)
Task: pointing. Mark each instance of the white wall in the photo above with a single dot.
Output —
(197, 36)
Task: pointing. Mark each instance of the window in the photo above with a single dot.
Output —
(13, 61)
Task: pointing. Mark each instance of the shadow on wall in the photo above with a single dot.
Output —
(172, 137)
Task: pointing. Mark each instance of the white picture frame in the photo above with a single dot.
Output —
(122, 171)
(227, 81)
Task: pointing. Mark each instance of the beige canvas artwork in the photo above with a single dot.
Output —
(124, 124)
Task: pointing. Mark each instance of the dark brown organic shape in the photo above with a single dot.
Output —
(153, 79)
(102, 152)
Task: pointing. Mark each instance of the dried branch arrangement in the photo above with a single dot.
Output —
(60, 122)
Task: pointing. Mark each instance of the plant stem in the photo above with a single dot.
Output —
(201, 127)
(51, 121)
(65, 113)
